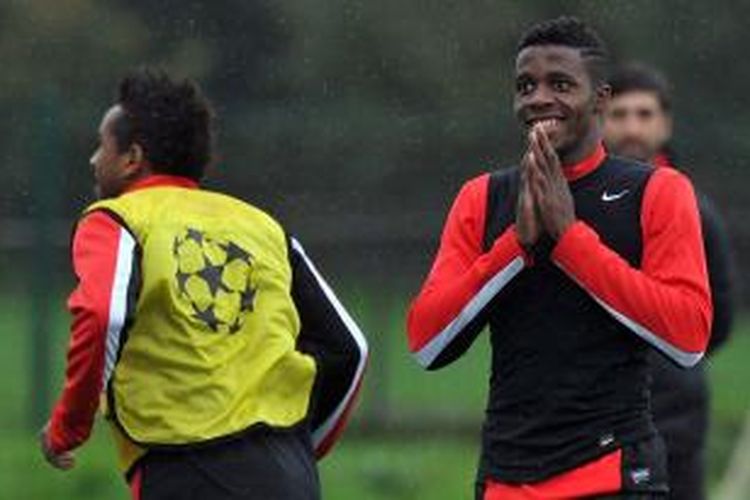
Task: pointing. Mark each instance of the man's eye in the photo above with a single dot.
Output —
(562, 85)
(645, 114)
(524, 87)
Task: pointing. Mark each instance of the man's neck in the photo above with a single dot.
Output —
(161, 180)
(584, 149)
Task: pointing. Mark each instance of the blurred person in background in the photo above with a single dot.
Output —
(225, 361)
(582, 264)
(638, 125)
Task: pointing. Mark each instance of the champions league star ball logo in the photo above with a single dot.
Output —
(214, 277)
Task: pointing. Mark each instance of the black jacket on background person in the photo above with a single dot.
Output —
(681, 398)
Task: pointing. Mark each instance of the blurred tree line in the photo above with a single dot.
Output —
(354, 122)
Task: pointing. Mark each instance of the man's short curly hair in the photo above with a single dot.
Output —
(571, 32)
(171, 120)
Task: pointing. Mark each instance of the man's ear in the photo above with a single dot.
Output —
(603, 95)
(135, 153)
(136, 161)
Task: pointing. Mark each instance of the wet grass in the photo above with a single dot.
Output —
(372, 468)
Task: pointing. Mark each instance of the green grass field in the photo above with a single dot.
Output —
(367, 468)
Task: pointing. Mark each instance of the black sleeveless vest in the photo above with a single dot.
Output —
(569, 383)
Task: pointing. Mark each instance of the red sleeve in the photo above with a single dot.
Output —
(667, 301)
(444, 316)
(95, 252)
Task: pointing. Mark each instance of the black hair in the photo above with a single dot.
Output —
(171, 120)
(571, 32)
(634, 77)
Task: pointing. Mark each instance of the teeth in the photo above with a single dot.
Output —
(546, 123)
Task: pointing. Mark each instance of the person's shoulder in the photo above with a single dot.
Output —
(98, 217)
(671, 176)
(668, 186)
(474, 191)
(480, 183)
(115, 209)
(472, 188)
(244, 208)
(238, 203)
(507, 173)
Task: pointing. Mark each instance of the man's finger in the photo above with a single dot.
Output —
(524, 175)
(538, 193)
(524, 181)
(535, 169)
(67, 461)
(552, 160)
(548, 151)
(538, 153)
(525, 161)
(537, 183)
(63, 461)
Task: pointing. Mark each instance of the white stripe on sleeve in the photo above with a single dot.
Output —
(427, 354)
(329, 424)
(118, 304)
(683, 358)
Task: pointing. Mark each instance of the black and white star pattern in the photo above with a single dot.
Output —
(208, 317)
(212, 275)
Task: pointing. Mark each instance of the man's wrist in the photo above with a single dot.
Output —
(573, 242)
(526, 248)
(563, 228)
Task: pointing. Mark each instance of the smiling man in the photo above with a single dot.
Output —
(581, 264)
(225, 361)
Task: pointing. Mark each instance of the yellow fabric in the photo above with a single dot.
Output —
(211, 350)
(127, 451)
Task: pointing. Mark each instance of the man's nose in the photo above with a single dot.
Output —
(632, 125)
(541, 97)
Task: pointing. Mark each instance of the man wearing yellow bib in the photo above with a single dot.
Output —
(223, 361)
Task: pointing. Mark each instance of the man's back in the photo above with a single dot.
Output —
(214, 317)
(207, 328)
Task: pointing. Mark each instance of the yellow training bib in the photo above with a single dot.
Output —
(209, 347)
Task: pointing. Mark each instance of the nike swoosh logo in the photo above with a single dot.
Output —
(606, 196)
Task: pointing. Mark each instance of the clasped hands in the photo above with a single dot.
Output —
(545, 203)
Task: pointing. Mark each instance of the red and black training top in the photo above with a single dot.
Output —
(572, 321)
